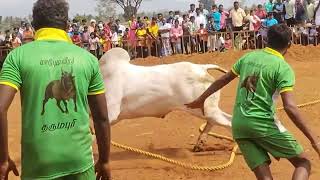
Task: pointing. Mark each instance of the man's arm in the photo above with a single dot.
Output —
(292, 110)
(217, 85)
(6, 97)
(98, 107)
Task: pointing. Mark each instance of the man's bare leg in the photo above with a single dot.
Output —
(302, 167)
(263, 172)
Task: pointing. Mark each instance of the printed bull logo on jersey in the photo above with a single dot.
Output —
(63, 90)
(250, 84)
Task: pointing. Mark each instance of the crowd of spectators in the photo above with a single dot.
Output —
(196, 30)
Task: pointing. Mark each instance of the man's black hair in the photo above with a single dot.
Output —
(279, 37)
(50, 14)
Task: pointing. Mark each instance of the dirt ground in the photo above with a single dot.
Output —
(175, 135)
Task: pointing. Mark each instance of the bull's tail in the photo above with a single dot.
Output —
(214, 67)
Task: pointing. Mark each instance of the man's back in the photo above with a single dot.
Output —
(263, 74)
(54, 77)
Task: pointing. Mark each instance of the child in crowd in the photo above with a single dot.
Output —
(15, 41)
(85, 36)
(176, 34)
(228, 42)
(203, 39)
(93, 44)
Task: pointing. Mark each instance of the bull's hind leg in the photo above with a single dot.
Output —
(66, 106)
(59, 106)
(43, 106)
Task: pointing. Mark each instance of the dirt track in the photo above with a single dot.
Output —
(174, 135)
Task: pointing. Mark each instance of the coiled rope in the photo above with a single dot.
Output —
(197, 167)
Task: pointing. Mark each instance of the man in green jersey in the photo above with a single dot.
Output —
(57, 81)
(264, 74)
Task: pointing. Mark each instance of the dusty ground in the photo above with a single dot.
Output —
(174, 135)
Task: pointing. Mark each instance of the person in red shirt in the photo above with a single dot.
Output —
(203, 38)
(261, 13)
(76, 39)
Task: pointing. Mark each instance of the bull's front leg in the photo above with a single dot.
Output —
(66, 106)
(59, 105)
(75, 103)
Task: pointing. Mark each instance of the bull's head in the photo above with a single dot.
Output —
(67, 79)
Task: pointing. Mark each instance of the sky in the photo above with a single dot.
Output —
(24, 7)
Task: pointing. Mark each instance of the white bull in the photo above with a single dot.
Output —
(137, 91)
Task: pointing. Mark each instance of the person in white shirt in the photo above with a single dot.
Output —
(310, 10)
(200, 19)
(120, 27)
(237, 15)
(203, 10)
(290, 12)
(192, 11)
(178, 17)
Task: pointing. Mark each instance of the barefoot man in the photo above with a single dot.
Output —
(264, 74)
(57, 81)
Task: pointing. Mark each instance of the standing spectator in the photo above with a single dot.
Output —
(15, 41)
(311, 10)
(85, 36)
(270, 21)
(2, 37)
(254, 21)
(192, 11)
(224, 16)
(133, 25)
(261, 13)
(203, 39)
(200, 19)
(178, 17)
(28, 34)
(192, 27)
(176, 34)
(159, 20)
(92, 26)
(186, 33)
(121, 27)
(170, 19)
(83, 24)
(237, 15)
(216, 17)
(76, 39)
(279, 11)
(203, 10)
(300, 12)
(164, 31)
(93, 44)
(141, 35)
(153, 32)
(269, 6)
(146, 21)
(290, 12)
(22, 28)
(212, 37)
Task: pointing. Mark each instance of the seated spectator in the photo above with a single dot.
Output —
(203, 38)
(261, 13)
(176, 34)
(15, 41)
(28, 34)
(270, 21)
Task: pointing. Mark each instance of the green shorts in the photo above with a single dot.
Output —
(87, 175)
(280, 145)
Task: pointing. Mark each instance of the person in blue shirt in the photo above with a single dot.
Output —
(270, 21)
(216, 16)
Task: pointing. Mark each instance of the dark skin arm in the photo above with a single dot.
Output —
(292, 111)
(6, 164)
(216, 86)
(98, 107)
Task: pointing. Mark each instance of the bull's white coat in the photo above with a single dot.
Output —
(136, 91)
